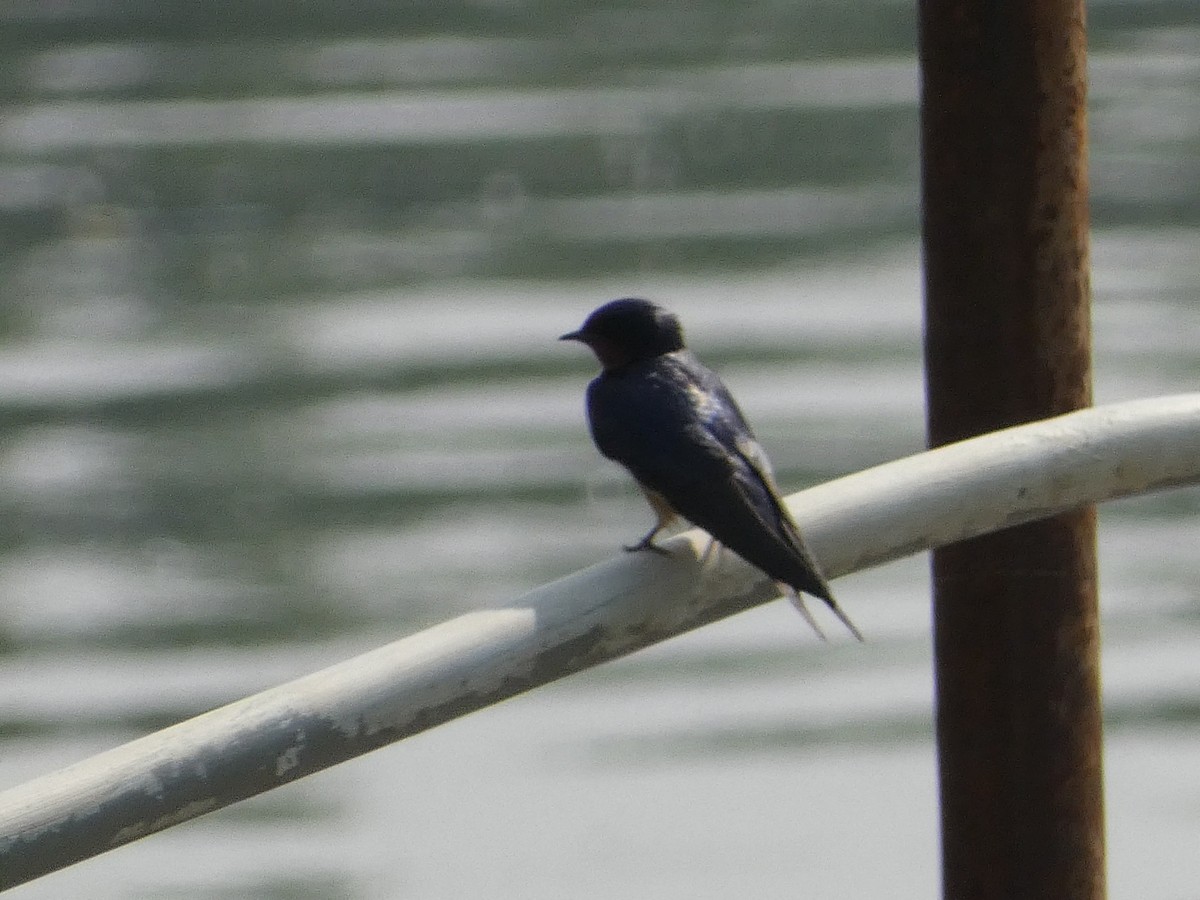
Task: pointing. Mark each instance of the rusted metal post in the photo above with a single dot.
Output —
(1016, 629)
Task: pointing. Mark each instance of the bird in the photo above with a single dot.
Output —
(671, 422)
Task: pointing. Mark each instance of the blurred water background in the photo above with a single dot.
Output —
(278, 384)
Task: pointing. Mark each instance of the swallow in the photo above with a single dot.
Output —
(672, 423)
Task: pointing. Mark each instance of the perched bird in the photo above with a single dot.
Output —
(670, 421)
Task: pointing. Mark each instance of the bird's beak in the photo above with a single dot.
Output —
(572, 336)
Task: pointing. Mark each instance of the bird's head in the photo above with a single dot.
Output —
(627, 331)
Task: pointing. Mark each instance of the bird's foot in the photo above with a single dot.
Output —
(647, 543)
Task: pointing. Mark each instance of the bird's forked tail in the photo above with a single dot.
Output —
(797, 599)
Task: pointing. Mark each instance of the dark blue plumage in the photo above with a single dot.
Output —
(670, 421)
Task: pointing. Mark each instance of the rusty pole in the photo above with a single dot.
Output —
(1016, 630)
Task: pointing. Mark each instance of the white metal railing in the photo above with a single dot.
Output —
(610, 609)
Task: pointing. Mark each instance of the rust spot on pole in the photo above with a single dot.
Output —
(1004, 169)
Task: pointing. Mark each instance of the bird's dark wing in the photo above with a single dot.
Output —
(676, 428)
